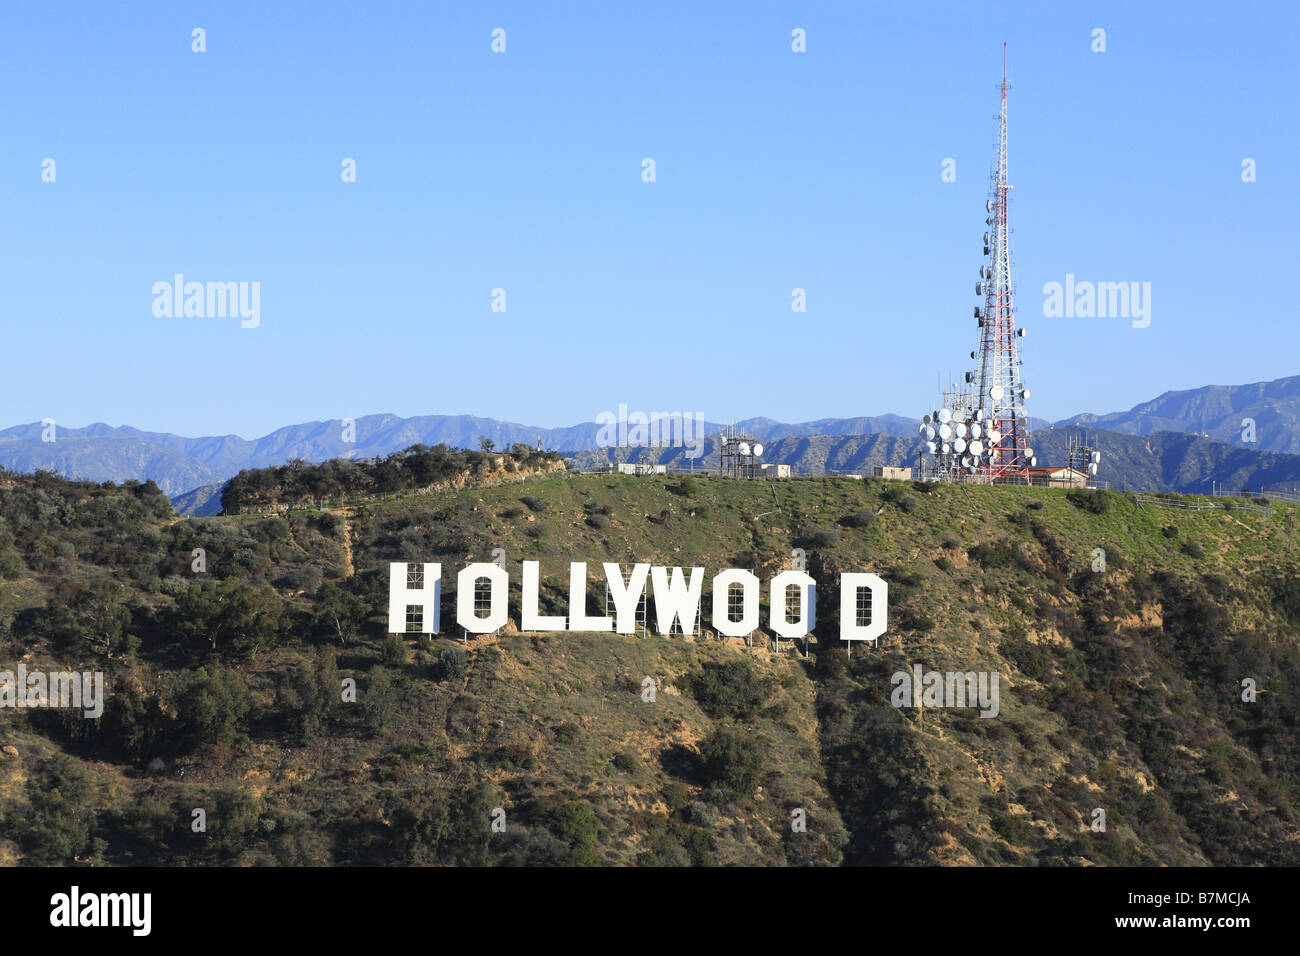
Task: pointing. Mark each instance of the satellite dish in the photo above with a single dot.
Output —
(1020, 332)
(986, 238)
(945, 415)
(988, 206)
(758, 451)
(946, 448)
(986, 272)
(744, 448)
(930, 448)
(959, 445)
(979, 288)
(925, 419)
(995, 436)
(976, 447)
(1029, 453)
(1096, 457)
(1024, 394)
(967, 461)
(1033, 462)
(1092, 468)
(972, 355)
(959, 429)
(972, 469)
(995, 392)
(929, 433)
(945, 432)
(976, 430)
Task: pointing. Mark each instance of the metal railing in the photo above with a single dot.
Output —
(1184, 504)
(1263, 493)
(1258, 505)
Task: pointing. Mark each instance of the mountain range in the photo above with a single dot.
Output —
(1179, 441)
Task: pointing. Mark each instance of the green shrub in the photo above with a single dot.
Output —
(1095, 501)
(731, 760)
(858, 519)
(728, 689)
(453, 664)
(893, 493)
(394, 651)
(626, 761)
(993, 554)
(11, 566)
(911, 619)
(577, 826)
(819, 538)
(62, 797)
(213, 707)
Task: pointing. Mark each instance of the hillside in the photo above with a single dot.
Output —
(1121, 689)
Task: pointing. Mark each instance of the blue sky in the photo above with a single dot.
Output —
(522, 171)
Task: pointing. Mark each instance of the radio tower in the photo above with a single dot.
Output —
(1001, 391)
(981, 433)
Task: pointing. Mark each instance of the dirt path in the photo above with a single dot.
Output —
(348, 567)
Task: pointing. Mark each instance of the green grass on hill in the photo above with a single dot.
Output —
(1121, 689)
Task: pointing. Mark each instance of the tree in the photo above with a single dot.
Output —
(577, 826)
(485, 444)
(57, 828)
(229, 616)
(100, 606)
(342, 613)
(381, 696)
(313, 695)
(213, 707)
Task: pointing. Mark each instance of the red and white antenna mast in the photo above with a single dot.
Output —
(982, 431)
(1001, 392)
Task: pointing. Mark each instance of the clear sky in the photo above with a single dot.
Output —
(523, 171)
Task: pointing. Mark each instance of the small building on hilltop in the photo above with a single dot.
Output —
(891, 473)
(1058, 477)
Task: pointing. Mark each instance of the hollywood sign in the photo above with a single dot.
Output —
(415, 596)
